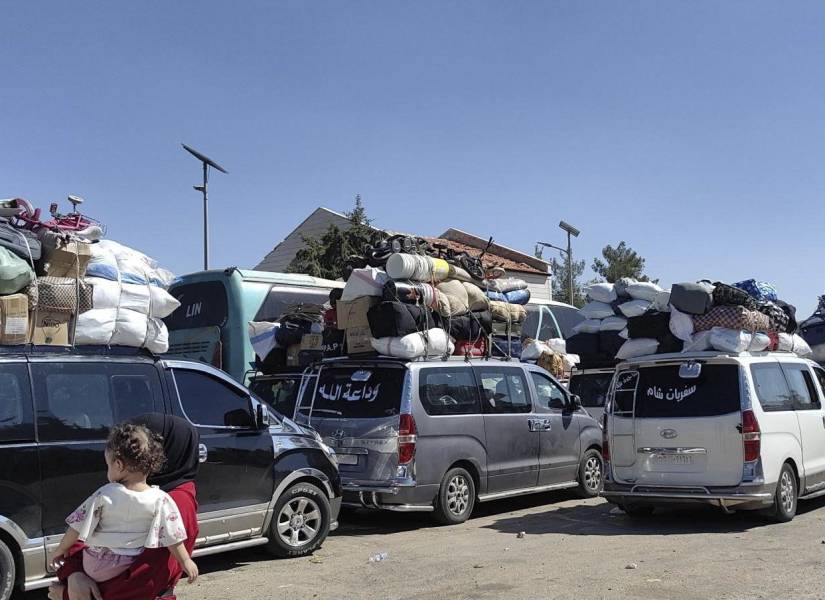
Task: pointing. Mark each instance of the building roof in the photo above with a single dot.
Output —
(491, 258)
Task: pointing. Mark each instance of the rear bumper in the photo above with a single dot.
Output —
(721, 496)
(402, 495)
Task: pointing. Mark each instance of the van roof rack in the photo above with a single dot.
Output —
(671, 356)
(26, 349)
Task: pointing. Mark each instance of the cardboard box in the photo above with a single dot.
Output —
(293, 355)
(312, 341)
(353, 313)
(69, 259)
(358, 340)
(50, 328)
(14, 320)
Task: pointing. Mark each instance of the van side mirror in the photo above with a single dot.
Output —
(262, 418)
(575, 402)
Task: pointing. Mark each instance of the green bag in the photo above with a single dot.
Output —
(15, 273)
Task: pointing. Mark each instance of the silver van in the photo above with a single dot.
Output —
(439, 436)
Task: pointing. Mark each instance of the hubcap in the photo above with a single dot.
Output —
(458, 495)
(593, 473)
(786, 493)
(299, 521)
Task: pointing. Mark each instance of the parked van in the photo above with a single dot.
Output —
(592, 386)
(56, 407)
(216, 306)
(740, 431)
(550, 320)
(439, 436)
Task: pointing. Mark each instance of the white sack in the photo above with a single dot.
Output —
(413, 345)
(557, 345)
(634, 308)
(637, 347)
(785, 343)
(588, 326)
(644, 290)
(368, 281)
(819, 353)
(698, 342)
(130, 329)
(596, 310)
(150, 300)
(533, 350)
(662, 301)
(624, 334)
(114, 261)
(613, 324)
(95, 327)
(570, 361)
(602, 292)
(730, 340)
(157, 337)
(759, 342)
(262, 337)
(801, 347)
(681, 324)
(121, 327)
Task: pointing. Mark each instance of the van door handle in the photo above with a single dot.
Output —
(203, 452)
(539, 424)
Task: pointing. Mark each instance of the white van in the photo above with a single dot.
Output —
(741, 431)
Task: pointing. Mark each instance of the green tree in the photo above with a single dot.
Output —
(560, 282)
(326, 256)
(621, 261)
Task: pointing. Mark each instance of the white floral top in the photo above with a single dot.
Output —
(126, 522)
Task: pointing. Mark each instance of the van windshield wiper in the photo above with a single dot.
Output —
(327, 410)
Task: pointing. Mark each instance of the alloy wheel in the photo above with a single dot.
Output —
(593, 473)
(458, 495)
(299, 521)
(786, 492)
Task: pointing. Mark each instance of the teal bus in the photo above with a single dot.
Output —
(211, 323)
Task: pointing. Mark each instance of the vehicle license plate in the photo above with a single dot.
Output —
(673, 459)
(347, 459)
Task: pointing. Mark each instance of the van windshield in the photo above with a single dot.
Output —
(591, 388)
(357, 393)
(660, 392)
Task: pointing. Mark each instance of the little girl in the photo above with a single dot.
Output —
(126, 515)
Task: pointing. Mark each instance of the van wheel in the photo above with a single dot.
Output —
(300, 522)
(7, 572)
(591, 477)
(456, 497)
(785, 497)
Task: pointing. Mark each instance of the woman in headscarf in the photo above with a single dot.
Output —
(156, 572)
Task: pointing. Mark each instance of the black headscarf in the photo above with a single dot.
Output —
(180, 444)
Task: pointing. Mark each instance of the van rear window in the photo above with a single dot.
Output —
(357, 393)
(591, 388)
(660, 392)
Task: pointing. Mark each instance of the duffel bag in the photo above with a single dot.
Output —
(396, 319)
(470, 326)
(20, 242)
(777, 318)
(692, 298)
(727, 295)
(760, 290)
(731, 317)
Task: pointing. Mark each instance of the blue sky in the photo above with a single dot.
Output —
(694, 131)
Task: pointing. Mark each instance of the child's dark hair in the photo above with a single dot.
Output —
(140, 450)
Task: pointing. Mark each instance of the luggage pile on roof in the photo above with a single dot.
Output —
(631, 318)
(812, 330)
(409, 298)
(62, 284)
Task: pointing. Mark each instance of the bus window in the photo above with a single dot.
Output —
(201, 305)
(278, 299)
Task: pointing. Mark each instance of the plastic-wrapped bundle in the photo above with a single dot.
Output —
(117, 262)
(507, 284)
(368, 281)
(602, 292)
(149, 300)
(520, 297)
(434, 342)
(417, 267)
(121, 327)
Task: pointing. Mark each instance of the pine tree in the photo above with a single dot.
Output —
(326, 256)
(621, 261)
(560, 282)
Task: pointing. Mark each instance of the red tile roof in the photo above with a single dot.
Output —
(490, 259)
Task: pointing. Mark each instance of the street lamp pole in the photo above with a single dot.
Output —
(571, 233)
(207, 162)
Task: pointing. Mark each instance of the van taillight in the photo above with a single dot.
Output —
(406, 439)
(751, 436)
(605, 442)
